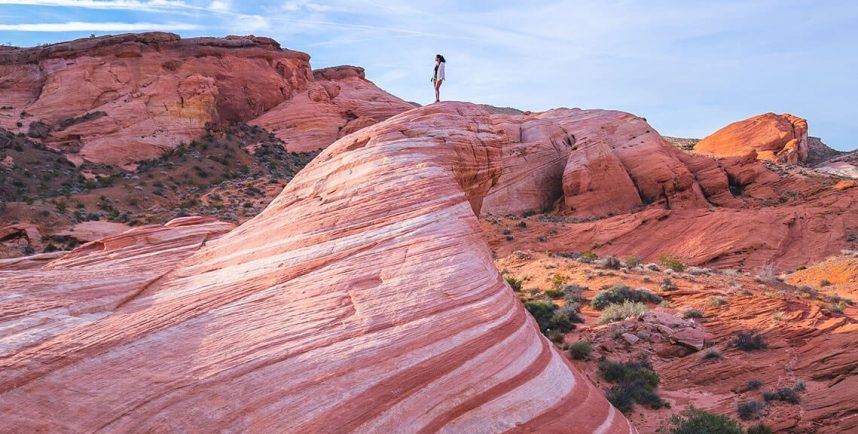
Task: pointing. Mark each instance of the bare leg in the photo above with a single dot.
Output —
(438, 90)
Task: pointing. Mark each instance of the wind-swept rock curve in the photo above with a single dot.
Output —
(362, 299)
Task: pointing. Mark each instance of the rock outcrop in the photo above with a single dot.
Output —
(362, 299)
(778, 138)
(126, 98)
(339, 101)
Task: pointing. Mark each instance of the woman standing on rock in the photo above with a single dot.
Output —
(438, 78)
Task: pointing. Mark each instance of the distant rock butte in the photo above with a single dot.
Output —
(364, 298)
(125, 98)
(338, 102)
(779, 138)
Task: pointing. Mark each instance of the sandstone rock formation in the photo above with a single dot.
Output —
(779, 138)
(121, 99)
(345, 306)
(338, 102)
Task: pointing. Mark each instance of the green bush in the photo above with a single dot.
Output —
(695, 421)
(514, 283)
(749, 341)
(619, 312)
(637, 384)
(581, 350)
(549, 319)
(671, 262)
(621, 293)
(759, 429)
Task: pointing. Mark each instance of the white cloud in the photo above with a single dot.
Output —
(79, 26)
(220, 6)
(249, 23)
(135, 5)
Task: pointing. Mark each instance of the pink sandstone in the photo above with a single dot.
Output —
(345, 305)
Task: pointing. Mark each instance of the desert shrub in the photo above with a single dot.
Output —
(514, 283)
(572, 312)
(671, 262)
(636, 384)
(553, 293)
(753, 385)
(632, 261)
(824, 282)
(574, 294)
(759, 429)
(749, 409)
(696, 421)
(581, 350)
(549, 319)
(712, 355)
(588, 256)
(785, 394)
(716, 301)
(611, 262)
(558, 280)
(692, 313)
(749, 341)
(619, 312)
(622, 293)
(667, 285)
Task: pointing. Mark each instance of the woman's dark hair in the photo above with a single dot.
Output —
(441, 58)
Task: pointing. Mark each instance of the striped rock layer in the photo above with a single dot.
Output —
(364, 298)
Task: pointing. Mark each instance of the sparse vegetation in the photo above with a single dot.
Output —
(581, 350)
(622, 311)
(632, 261)
(551, 320)
(786, 394)
(637, 382)
(749, 341)
(759, 429)
(717, 301)
(514, 283)
(667, 285)
(671, 262)
(753, 385)
(621, 293)
(749, 410)
(588, 256)
(692, 313)
(712, 354)
(696, 421)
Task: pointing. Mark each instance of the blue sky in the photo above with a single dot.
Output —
(689, 67)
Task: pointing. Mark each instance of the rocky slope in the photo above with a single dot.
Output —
(330, 310)
(126, 98)
(778, 138)
(808, 331)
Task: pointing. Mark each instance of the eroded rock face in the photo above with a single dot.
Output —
(126, 98)
(345, 306)
(338, 102)
(779, 138)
